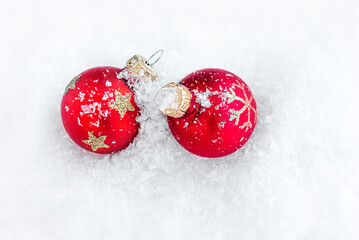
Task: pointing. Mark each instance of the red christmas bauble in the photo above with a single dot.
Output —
(99, 112)
(221, 116)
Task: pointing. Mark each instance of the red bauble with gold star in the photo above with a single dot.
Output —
(211, 112)
(98, 108)
(99, 111)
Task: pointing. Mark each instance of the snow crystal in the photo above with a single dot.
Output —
(82, 96)
(108, 83)
(90, 108)
(106, 95)
(124, 74)
(96, 124)
(203, 100)
(167, 98)
(78, 121)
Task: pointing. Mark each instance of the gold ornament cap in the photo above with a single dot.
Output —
(174, 100)
(142, 68)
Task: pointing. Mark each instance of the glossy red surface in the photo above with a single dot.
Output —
(224, 126)
(86, 108)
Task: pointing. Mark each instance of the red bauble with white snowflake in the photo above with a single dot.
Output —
(98, 108)
(211, 112)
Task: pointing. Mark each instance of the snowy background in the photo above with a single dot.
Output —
(297, 177)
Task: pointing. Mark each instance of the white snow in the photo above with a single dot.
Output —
(124, 74)
(90, 108)
(105, 96)
(108, 83)
(167, 98)
(203, 98)
(97, 123)
(78, 121)
(82, 96)
(296, 178)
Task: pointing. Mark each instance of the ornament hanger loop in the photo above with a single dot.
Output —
(160, 52)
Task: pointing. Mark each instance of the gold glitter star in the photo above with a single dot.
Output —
(96, 142)
(247, 106)
(122, 103)
(72, 84)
